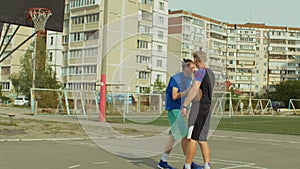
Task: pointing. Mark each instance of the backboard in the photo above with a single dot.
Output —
(15, 12)
(1, 26)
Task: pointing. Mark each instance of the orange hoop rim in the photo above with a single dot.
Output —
(37, 11)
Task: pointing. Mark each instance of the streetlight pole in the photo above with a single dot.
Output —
(102, 113)
(250, 98)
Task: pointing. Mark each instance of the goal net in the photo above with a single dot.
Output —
(294, 106)
(137, 107)
(65, 102)
(222, 104)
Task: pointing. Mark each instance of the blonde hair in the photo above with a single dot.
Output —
(200, 56)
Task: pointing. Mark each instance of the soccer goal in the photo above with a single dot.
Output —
(138, 107)
(222, 104)
(294, 106)
(65, 102)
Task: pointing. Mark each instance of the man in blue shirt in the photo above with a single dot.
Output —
(175, 93)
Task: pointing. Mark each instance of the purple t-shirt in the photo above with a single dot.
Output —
(199, 74)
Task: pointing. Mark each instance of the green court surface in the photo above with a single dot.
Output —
(258, 124)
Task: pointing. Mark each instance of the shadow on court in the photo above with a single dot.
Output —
(228, 150)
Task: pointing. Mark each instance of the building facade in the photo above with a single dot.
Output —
(11, 64)
(253, 57)
(133, 40)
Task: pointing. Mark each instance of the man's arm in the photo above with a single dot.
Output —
(176, 94)
(192, 92)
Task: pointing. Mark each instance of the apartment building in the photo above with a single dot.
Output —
(135, 44)
(12, 63)
(189, 32)
(253, 57)
(284, 55)
(54, 51)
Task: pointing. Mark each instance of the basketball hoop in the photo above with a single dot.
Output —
(39, 16)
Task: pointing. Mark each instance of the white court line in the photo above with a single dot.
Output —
(40, 139)
(134, 161)
(240, 166)
(265, 140)
(78, 143)
(74, 166)
(103, 162)
(280, 143)
(232, 163)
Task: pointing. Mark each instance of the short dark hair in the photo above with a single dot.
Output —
(186, 62)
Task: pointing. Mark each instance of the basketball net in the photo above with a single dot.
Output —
(39, 16)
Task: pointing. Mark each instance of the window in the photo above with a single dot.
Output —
(65, 39)
(186, 37)
(75, 37)
(51, 40)
(90, 35)
(5, 70)
(92, 18)
(160, 34)
(247, 47)
(144, 89)
(144, 29)
(147, 15)
(91, 52)
(159, 63)
(5, 86)
(159, 48)
(144, 75)
(161, 6)
(142, 44)
(142, 59)
(148, 2)
(50, 56)
(65, 55)
(77, 53)
(159, 77)
(78, 70)
(160, 19)
(80, 3)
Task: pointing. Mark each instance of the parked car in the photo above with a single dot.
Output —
(21, 101)
(277, 105)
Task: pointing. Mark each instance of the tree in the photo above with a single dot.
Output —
(285, 91)
(45, 78)
(159, 86)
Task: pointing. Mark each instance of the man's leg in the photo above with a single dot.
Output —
(205, 153)
(163, 164)
(190, 153)
(184, 143)
(169, 145)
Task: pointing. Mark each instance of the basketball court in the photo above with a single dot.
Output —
(229, 150)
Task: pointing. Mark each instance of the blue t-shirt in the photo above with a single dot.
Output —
(180, 82)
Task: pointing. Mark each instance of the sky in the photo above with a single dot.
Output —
(270, 12)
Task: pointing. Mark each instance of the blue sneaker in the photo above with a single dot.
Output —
(164, 165)
(196, 166)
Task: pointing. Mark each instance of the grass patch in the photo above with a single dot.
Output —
(262, 124)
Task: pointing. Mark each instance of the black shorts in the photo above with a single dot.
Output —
(198, 123)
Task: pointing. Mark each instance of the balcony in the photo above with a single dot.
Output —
(146, 7)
